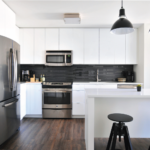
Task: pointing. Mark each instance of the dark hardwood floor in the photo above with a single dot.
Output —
(58, 134)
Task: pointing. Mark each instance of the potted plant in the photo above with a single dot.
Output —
(139, 87)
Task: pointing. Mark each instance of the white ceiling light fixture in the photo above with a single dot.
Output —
(72, 18)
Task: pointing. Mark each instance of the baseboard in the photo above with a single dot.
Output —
(78, 116)
(33, 116)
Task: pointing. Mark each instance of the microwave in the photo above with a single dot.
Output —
(58, 58)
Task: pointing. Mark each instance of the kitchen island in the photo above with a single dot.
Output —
(102, 102)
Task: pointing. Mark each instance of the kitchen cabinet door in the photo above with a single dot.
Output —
(22, 59)
(91, 46)
(52, 39)
(78, 103)
(2, 17)
(33, 99)
(66, 39)
(36, 105)
(112, 48)
(17, 35)
(107, 53)
(29, 97)
(39, 46)
(78, 46)
(119, 46)
(22, 101)
(27, 46)
(131, 48)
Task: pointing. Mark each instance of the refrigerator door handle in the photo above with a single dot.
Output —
(9, 104)
(11, 82)
(9, 70)
(15, 69)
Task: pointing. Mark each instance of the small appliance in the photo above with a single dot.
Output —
(25, 75)
(129, 76)
(58, 58)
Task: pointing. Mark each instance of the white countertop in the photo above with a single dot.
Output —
(30, 83)
(114, 93)
(99, 83)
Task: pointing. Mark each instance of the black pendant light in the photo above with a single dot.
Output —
(122, 25)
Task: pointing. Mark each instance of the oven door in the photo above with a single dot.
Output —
(57, 98)
(55, 59)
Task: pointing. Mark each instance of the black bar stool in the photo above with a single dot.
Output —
(119, 129)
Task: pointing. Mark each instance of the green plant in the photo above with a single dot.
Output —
(139, 85)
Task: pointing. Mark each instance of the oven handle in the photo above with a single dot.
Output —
(58, 108)
(57, 91)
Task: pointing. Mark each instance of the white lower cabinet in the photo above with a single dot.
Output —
(33, 99)
(78, 97)
(22, 101)
(78, 103)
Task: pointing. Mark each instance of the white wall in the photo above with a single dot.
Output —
(142, 70)
(139, 69)
(146, 56)
(8, 26)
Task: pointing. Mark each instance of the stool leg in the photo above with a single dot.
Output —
(125, 142)
(114, 138)
(110, 137)
(128, 138)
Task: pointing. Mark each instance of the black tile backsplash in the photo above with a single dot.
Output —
(79, 72)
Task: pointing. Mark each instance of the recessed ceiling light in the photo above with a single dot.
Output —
(72, 19)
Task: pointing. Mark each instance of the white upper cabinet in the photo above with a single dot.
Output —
(119, 46)
(52, 39)
(22, 59)
(39, 46)
(112, 48)
(131, 48)
(66, 39)
(91, 46)
(27, 46)
(17, 35)
(78, 46)
(107, 54)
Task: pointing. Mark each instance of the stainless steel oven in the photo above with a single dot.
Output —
(57, 100)
(58, 58)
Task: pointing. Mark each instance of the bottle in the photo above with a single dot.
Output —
(43, 79)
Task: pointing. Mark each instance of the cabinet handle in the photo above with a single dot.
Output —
(78, 103)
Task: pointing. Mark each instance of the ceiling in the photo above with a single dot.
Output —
(94, 13)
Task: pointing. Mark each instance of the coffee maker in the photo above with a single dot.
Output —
(130, 77)
(25, 75)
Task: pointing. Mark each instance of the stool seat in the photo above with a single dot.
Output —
(120, 117)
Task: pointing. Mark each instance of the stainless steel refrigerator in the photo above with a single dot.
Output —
(9, 88)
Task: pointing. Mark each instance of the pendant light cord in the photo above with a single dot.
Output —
(122, 4)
